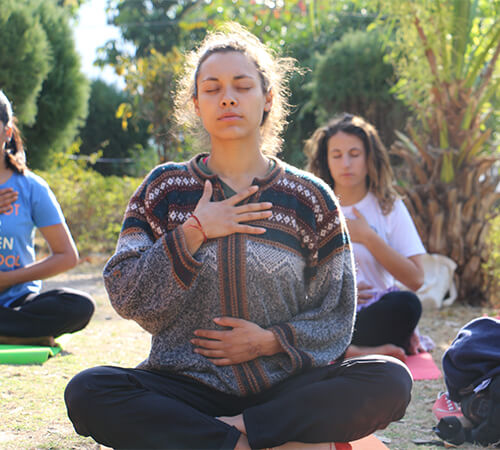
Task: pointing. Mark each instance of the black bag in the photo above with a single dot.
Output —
(472, 374)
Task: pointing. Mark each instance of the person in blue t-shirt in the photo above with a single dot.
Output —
(28, 316)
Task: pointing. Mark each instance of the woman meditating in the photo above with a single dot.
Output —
(239, 266)
(348, 154)
(29, 316)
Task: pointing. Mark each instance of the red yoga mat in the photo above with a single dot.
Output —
(423, 367)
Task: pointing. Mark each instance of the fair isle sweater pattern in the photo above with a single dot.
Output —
(295, 280)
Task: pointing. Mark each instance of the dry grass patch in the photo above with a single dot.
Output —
(31, 397)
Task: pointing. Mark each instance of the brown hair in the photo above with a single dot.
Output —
(380, 177)
(273, 72)
(15, 158)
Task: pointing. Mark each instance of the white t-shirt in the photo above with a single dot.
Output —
(396, 229)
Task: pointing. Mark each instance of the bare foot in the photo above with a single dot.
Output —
(46, 341)
(386, 349)
(242, 443)
(235, 421)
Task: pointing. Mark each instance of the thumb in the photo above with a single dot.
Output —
(207, 192)
(357, 213)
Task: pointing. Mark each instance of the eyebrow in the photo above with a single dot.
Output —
(237, 77)
(335, 149)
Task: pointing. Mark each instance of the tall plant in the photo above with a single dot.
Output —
(446, 57)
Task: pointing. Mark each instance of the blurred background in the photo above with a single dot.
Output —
(91, 83)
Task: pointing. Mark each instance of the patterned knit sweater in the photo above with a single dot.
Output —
(295, 280)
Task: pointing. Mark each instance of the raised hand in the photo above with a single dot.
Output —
(7, 197)
(359, 229)
(224, 218)
(243, 342)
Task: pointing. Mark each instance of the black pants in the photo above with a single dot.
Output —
(50, 313)
(133, 408)
(391, 320)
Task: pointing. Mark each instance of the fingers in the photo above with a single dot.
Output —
(357, 213)
(7, 197)
(210, 334)
(222, 362)
(232, 322)
(235, 199)
(207, 192)
(363, 286)
(250, 207)
(248, 217)
(247, 229)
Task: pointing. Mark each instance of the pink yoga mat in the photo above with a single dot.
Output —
(422, 367)
(370, 442)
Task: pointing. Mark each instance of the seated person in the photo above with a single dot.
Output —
(348, 154)
(28, 316)
(239, 265)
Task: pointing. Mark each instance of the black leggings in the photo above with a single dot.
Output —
(134, 408)
(391, 320)
(50, 313)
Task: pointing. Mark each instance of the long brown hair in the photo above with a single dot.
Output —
(380, 177)
(15, 158)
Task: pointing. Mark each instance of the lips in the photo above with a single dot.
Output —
(229, 116)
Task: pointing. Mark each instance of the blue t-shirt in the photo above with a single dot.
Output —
(35, 207)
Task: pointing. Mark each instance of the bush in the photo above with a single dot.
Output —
(352, 76)
(92, 203)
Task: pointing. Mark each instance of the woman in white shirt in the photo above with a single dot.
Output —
(348, 154)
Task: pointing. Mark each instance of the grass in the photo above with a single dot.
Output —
(32, 410)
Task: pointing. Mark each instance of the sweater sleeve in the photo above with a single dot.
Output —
(149, 278)
(321, 334)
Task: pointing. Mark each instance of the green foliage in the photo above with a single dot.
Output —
(147, 25)
(150, 81)
(24, 61)
(92, 203)
(492, 266)
(62, 103)
(352, 76)
(446, 57)
(103, 131)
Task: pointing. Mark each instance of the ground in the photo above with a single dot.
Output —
(32, 410)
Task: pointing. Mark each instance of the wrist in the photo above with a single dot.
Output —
(271, 345)
(194, 237)
(368, 237)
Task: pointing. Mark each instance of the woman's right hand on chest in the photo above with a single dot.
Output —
(223, 218)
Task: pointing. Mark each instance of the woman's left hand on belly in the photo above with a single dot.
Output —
(244, 342)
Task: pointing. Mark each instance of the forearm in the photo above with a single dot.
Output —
(193, 235)
(45, 268)
(144, 283)
(400, 267)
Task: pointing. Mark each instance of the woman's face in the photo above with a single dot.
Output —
(230, 99)
(347, 161)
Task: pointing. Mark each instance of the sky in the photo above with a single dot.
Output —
(92, 32)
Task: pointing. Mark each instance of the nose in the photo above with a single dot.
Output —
(346, 160)
(228, 99)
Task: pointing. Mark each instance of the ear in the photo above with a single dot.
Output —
(269, 100)
(196, 106)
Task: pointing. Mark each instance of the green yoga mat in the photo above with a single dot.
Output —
(26, 354)
(29, 354)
